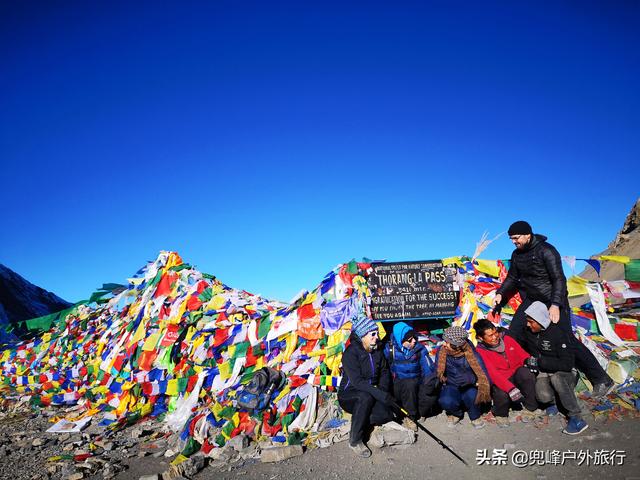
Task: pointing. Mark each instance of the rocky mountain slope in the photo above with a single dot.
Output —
(22, 300)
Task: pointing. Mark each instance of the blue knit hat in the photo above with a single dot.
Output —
(361, 325)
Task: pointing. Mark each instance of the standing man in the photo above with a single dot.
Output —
(364, 389)
(511, 380)
(536, 273)
(550, 347)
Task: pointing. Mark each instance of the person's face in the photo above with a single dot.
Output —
(491, 337)
(520, 240)
(410, 343)
(454, 347)
(370, 340)
(534, 326)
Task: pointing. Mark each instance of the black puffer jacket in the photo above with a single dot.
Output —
(536, 272)
(552, 347)
(365, 371)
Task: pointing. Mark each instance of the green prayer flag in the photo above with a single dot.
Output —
(632, 271)
(265, 326)
(352, 267)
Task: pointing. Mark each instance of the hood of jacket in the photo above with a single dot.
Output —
(400, 329)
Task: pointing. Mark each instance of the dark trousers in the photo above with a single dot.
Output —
(455, 400)
(526, 383)
(417, 399)
(563, 384)
(585, 361)
(365, 411)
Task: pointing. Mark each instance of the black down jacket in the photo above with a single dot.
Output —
(536, 273)
(364, 371)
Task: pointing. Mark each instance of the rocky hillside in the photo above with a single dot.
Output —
(626, 242)
(22, 300)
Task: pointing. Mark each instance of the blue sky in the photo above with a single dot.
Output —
(269, 141)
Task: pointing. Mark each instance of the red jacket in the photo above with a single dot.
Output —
(501, 366)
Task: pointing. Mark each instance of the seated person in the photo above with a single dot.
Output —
(465, 382)
(551, 348)
(413, 373)
(511, 380)
(364, 389)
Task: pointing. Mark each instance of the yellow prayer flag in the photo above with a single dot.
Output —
(151, 342)
(292, 341)
(174, 260)
(140, 331)
(172, 387)
(190, 333)
(452, 260)
(490, 267)
(310, 298)
(259, 363)
(217, 302)
(615, 258)
(381, 331)
(577, 286)
(225, 370)
(183, 308)
(216, 409)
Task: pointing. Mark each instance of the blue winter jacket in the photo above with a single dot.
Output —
(458, 372)
(404, 362)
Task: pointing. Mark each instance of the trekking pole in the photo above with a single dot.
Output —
(425, 430)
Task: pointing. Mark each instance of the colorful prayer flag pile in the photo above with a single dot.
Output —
(177, 345)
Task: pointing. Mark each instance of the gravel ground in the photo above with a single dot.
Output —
(26, 451)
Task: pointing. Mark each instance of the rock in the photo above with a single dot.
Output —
(193, 465)
(75, 476)
(391, 434)
(238, 442)
(169, 453)
(224, 454)
(139, 432)
(108, 446)
(149, 477)
(108, 471)
(171, 476)
(38, 442)
(277, 454)
(251, 451)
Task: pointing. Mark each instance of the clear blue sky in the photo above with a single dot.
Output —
(269, 141)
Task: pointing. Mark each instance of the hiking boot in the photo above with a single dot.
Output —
(502, 422)
(601, 390)
(527, 417)
(575, 426)
(361, 449)
(452, 421)
(552, 410)
(409, 424)
(478, 423)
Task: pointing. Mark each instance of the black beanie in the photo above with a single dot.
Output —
(520, 228)
(410, 334)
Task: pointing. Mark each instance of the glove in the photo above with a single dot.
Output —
(515, 394)
(532, 364)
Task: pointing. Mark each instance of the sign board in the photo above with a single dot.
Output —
(424, 289)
